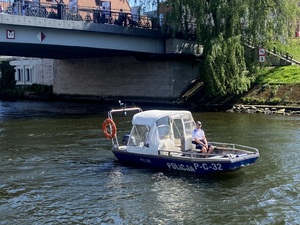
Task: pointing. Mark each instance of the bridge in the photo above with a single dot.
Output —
(62, 39)
(39, 35)
(90, 56)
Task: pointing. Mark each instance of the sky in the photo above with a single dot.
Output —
(131, 2)
(150, 7)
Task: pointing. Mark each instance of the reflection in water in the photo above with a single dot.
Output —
(57, 168)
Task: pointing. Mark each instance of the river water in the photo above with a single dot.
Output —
(57, 168)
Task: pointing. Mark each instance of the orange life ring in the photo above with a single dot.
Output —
(113, 128)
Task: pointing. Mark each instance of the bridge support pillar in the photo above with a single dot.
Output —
(124, 78)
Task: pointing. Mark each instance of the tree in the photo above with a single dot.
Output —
(235, 23)
(7, 80)
(226, 29)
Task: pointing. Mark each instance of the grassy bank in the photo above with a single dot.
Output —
(279, 75)
(275, 86)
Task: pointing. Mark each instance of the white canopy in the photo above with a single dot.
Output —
(151, 116)
(166, 130)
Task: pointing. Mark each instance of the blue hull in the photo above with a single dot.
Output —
(191, 165)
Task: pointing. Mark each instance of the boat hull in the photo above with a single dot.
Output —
(182, 164)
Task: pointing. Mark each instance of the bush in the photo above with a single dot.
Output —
(274, 101)
(39, 89)
(253, 100)
(7, 79)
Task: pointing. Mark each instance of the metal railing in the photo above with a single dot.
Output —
(56, 10)
(60, 11)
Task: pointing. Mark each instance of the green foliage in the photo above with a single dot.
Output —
(225, 67)
(261, 101)
(8, 88)
(225, 26)
(293, 47)
(280, 75)
(253, 100)
(274, 101)
(294, 51)
(39, 89)
(7, 80)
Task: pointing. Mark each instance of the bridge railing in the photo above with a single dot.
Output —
(60, 11)
(56, 10)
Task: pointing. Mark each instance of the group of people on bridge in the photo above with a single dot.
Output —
(57, 9)
(101, 14)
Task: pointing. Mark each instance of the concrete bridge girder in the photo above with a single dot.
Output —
(89, 39)
(52, 38)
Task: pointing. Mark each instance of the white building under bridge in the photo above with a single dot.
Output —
(30, 71)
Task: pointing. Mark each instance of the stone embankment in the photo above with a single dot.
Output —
(266, 109)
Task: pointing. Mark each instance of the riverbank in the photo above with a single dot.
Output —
(272, 94)
(268, 99)
(273, 86)
(261, 98)
(266, 109)
(282, 99)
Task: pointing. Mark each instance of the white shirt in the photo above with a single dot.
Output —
(198, 133)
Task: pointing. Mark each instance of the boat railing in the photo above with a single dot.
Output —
(225, 147)
(192, 154)
(123, 110)
(230, 146)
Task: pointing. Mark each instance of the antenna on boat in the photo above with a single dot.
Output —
(123, 106)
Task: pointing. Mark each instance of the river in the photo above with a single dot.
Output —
(57, 168)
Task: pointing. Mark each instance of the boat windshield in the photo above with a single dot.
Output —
(138, 136)
(189, 126)
(163, 127)
(177, 128)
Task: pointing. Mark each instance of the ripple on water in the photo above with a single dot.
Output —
(60, 170)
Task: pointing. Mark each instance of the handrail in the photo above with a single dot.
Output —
(123, 110)
(277, 52)
(55, 10)
(194, 154)
(223, 145)
(234, 146)
(59, 11)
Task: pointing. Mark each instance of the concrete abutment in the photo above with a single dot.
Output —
(124, 77)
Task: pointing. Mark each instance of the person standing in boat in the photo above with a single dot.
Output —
(200, 140)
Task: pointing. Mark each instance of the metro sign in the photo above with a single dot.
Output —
(10, 34)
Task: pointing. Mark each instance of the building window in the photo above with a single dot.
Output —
(19, 74)
(27, 75)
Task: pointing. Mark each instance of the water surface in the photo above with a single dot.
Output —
(57, 168)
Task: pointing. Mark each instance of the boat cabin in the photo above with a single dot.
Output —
(155, 130)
